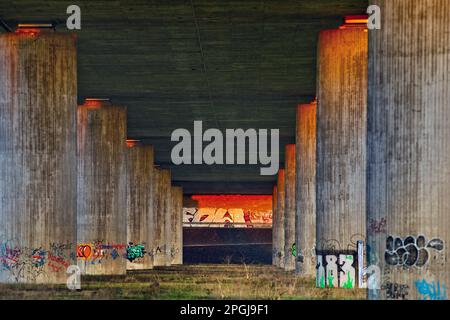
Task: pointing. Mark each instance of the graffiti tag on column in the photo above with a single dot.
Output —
(431, 290)
(336, 269)
(395, 291)
(412, 251)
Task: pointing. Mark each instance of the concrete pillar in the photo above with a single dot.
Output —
(177, 226)
(157, 226)
(139, 205)
(274, 227)
(408, 208)
(289, 209)
(305, 193)
(38, 100)
(101, 199)
(341, 153)
(280, 219)
(167, 215)
(162, 218)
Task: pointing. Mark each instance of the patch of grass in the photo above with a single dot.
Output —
(191, 282)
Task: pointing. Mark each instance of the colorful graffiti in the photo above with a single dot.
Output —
(98, 251)
(246, 211)
(135, 253)
(431, 290)
(411, 251)
(23, 263)
(335, 270)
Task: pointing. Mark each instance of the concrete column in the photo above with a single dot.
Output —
(289, 209)
(305, 193)
(101, 199)
(158, 219)
(167, 215)
(177, 225)
(280, 219)
(162, 219)
(139, 205)
(274, 227)
(38, 100)
(341, 154)
(408, 196)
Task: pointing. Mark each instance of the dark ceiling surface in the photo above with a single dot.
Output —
(231, 64)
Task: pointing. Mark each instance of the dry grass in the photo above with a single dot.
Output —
(226, 281)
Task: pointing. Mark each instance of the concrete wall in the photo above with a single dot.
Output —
(305, 193)
(408, 150)
(139, 206)
(289, 209)
(38, 92)
(341, 152)
(101, 198)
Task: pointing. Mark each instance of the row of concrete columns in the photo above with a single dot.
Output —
(372, 159)
(72, 190)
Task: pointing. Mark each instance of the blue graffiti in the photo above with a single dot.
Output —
(431, 290)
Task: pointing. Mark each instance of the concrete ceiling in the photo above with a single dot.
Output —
(231, 64)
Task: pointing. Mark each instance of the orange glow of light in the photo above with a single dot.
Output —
(95, 102)
(246, 202)
(32, 28)
(132, 142)
(355, 21)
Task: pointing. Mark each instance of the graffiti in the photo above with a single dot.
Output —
(174, 252)
(377, 226)
(135, 252)
(395, 291)
(98, 251)
(84, 251)
(336, 269)
(23, 263)
(431, 290)
(347, 271)
(411, 251)
(336, 246)
(245, 211)
(294, 250)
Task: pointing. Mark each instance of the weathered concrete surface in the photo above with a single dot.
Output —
(166, 209)
(139, 206)
(38, 92)
(305, 192)
(176, 248)
(408, 151)
(289, 209)
(274, 226)
(101, 199)
(162, 225)
(341, 149)
(158, 219)
(280, 219)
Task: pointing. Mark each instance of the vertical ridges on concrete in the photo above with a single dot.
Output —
(305, 218)
(139, 206)
(280, 218)
(290, 250)
(177, 225)
(341, 152)
(408, 202)
(101, 198)
(38, 101)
